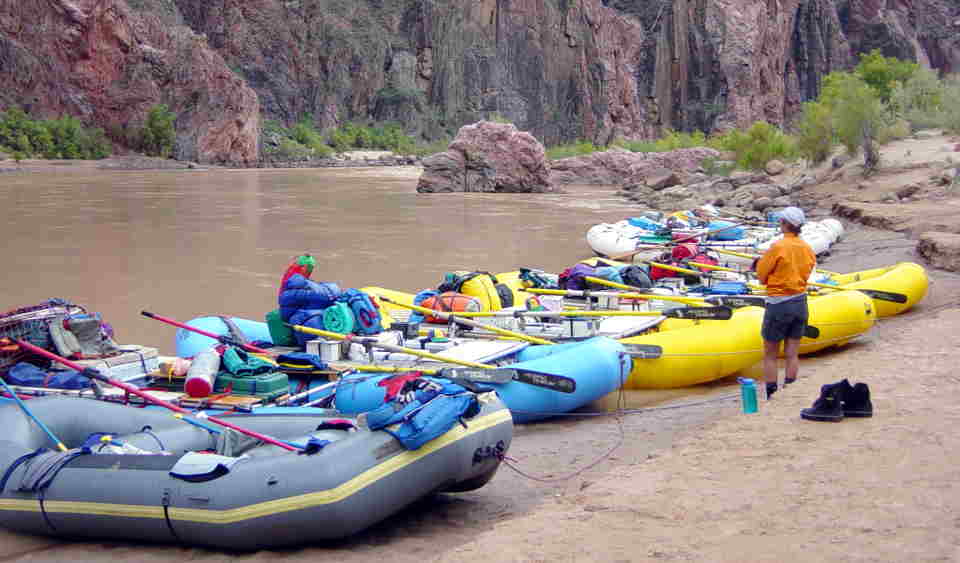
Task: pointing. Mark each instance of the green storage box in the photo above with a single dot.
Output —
(280, 333)
(266, 386)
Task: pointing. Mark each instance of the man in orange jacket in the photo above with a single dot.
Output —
(785, 269)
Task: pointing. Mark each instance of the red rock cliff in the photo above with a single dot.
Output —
(108, 64)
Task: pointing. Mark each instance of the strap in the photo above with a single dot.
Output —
(235, 331)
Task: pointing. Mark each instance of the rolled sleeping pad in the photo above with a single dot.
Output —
(202, 373)
(733, 233)
(339, 318)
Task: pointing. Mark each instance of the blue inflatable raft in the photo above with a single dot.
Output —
(596, 367)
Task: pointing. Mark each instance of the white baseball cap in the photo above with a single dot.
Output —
(794, 216)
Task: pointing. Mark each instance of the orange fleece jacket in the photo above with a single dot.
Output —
(786, 266)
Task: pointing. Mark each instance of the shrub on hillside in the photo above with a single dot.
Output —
(951, 104)
(919, 100)
(758, 145)
(64, 137)
(568, 150)
(157, 135)
(815, 132)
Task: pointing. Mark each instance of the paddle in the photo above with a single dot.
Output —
(630, 293)
(222, 338)
(457, 318)
(718, 313)
(26, 410)
(557, 382)
(95, 374)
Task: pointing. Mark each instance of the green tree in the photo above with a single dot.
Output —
(881, 73)
(158, 132)
(858, 115)
(919, 100)
(815, 132)
(951, 103)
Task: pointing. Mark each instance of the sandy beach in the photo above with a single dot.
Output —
(695, 479)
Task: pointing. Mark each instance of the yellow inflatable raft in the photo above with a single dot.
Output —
(700, 351)
(907, 278)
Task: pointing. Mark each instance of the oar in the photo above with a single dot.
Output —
(719, 313)
(754, 256)
(705, 234)
(95, 374)
(872, 293)
(222, 338)
(458, 318)
(629, 293)
(608, 283)
(29, 414)
(548, 380)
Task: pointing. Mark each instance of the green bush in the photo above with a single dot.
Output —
(856, 108)
(758, 145)
(386, 137)
(815, 132)
(671, 140)
(64, 137)
(157, 135)
(919, 100)
(951, 104)
(577, 148)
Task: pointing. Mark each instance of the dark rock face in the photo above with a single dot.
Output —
(108, 64)
(488, 157)
(560, 69)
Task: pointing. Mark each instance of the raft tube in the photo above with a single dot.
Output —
(267, 498)
(189, 343)
(697, 352)
(597, 366)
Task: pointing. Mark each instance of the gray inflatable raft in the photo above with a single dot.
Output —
(260, 496)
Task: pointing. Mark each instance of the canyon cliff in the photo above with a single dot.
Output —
(560, 69)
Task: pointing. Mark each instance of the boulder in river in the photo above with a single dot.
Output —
(488, 157)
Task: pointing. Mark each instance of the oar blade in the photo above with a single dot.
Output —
(885, 295)
(559, 383)
(643, 351)
(737, 301)
(715, 313)
(498, 375)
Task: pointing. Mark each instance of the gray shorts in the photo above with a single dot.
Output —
(786, 320)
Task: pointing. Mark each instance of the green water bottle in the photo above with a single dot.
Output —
(748, 394)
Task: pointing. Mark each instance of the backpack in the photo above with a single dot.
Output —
(366, 313)
(492, 294)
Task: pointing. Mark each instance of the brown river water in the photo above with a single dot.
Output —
(191, 243)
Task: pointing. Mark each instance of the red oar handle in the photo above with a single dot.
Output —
(94, 373)
(217, 337)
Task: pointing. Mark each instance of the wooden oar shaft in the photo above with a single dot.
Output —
(391, 347)
(458, 318)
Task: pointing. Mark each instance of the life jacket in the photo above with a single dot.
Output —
(366, 312)
(492, 294)
(450, 302)
(302, 265)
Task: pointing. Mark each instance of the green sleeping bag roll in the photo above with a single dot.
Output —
(338, 318)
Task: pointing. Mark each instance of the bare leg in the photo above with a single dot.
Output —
(791, 349)
(770, 352)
